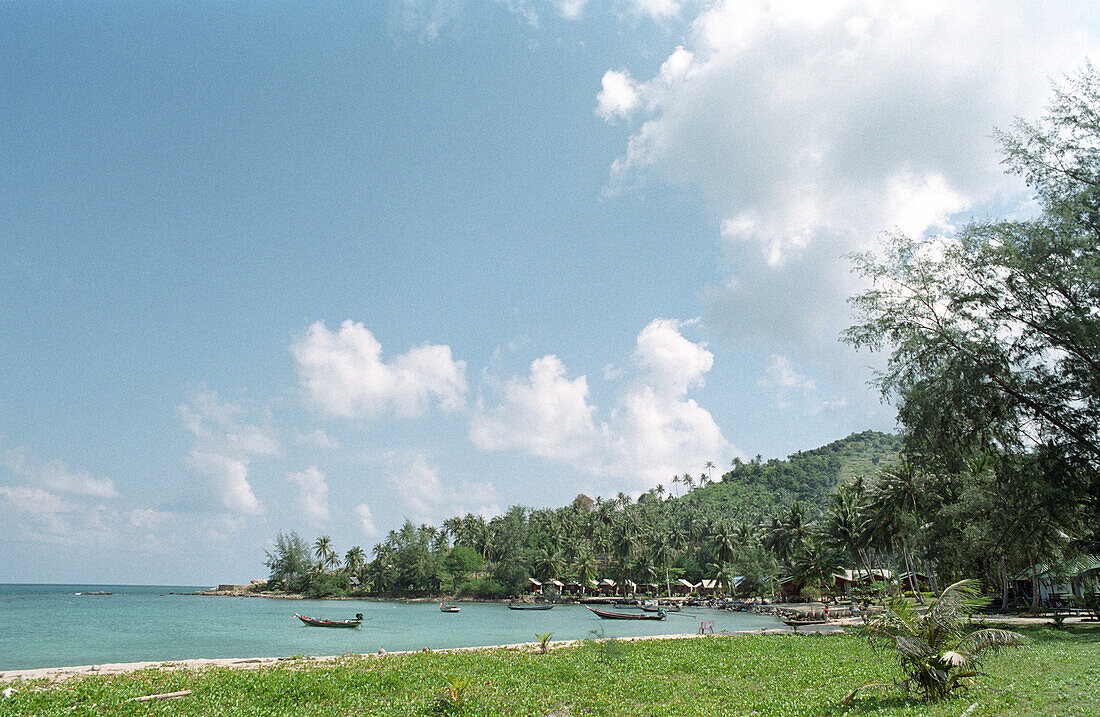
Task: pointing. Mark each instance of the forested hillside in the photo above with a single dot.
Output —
(754, 490)
(700, 527)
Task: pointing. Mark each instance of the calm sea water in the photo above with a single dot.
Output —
(52, 626)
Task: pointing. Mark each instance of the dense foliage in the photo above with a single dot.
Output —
(994, 339)
(702, 527)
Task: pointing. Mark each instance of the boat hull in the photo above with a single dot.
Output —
(317, 622)
(547, 606)
(605, 615)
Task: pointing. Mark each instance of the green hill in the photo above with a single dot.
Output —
(753, 490)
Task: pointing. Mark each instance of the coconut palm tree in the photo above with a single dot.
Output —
(354, 559)
(326, 555)
(936, 651)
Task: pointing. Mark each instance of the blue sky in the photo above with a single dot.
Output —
(327, 267)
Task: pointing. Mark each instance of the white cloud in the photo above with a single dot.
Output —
(618, 95)
(57, 476)
(312, 494)
(223, 447)
(366, 520)
(656, 9)
(653, 432)
(344, 374)
(570, 9)
(781, 374)
(318, 439)
(813, 126)
(546, 415)
(229, 477)
(428, 497)
(34, 501)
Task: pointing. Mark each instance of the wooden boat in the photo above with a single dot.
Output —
(319, 622)
(658, 608)
(444, 606)
(799, 623)
(608, 615)
(530, 606)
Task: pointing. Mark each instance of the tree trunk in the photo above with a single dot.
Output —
(1004, 586)
(912, 572)
(1034, 584)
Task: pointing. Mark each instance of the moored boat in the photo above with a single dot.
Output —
(444, 606)
(530, 605)
(608, 615)
(320, 622)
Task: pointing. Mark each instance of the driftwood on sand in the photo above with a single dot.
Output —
(162, 696)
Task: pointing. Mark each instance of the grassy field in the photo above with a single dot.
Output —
(1057, 674)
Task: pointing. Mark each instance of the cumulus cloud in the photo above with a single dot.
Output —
(656, 9)
(618, 95)
(229, 477)
(56, 476)
(34, 500)
(570, 9)
(545, 414)
(223, 447)
(813, 126)
(366, 520)
(318, 439)
(312, 494)
(344, 374)
(653, 432)
(428, 497)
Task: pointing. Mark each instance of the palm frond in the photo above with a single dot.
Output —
(990, 639)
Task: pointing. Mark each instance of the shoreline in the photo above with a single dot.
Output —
(58, 674)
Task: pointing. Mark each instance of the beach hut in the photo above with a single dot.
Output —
(682, 587)
(630, 587)
(608, 587)
(1058, 585)
(709, 587)
(592, 588)
(534, 587)
(573, 588)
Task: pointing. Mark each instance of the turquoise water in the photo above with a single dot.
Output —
(50, 626)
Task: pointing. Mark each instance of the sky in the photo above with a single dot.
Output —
(327, 267)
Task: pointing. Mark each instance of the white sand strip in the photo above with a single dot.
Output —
(63, 673)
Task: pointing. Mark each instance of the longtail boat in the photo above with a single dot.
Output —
(319, 622)
(530, 606)
(608, 615)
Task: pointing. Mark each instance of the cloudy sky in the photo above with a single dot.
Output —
(327, 267)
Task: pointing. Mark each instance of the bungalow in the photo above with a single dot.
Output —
(683, 587)
(709, 587)
(573, 588)
(534, 586)
(1060, 582)
(630, 587)
(608, 587)
(845, 580)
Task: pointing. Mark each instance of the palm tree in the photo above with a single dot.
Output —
(326, 556)
(708, 468)
(354, 559)
(935, 650)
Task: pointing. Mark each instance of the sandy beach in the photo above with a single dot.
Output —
(63, 673)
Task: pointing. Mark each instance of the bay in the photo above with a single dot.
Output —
(53, 626)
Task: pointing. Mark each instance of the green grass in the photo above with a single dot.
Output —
(1057, 674)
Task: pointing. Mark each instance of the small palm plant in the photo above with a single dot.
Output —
(544, 641)
(936, 651)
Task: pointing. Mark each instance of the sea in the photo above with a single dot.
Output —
(63, 625)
